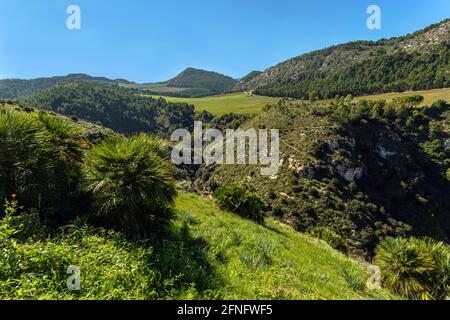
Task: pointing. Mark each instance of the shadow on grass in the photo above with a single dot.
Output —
(182, 260)
(273, 229)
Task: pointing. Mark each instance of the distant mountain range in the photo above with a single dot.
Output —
(420, 60)
(189, 83)
(15, 88)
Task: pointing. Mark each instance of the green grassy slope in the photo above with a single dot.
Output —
(155, 87)
(430, 96)
(208, 254)
(243, 102)
(236, 102)
(271, 261)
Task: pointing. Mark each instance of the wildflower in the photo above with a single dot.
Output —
(13, 195)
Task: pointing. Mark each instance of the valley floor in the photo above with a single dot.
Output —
(244, 102)
(241, 102)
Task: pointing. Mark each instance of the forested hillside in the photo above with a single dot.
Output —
(114, 107)
(111, 208)
(191, 83)
(17, 88)
(361, 171)
(388, 73)
(412, 62)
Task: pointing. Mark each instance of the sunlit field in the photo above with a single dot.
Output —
(241, 102)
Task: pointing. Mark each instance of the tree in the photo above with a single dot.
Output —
(313, 96)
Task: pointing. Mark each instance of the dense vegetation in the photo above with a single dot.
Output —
(417, 60)
(211, 82)
(415, 268)
(39, 161)
(160, 251)
(131, 182)
(18, 88)
(204, 253)
(114, 107)
(397, 72)
(208, 254)
(239, 200)
(367, 178)
(362, 170)
(191, 83)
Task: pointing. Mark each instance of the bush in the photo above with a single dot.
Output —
(131, 182)
(329, 236)
(415, 268)
(111, 267)
(409, 100)
(39, 159)
(238, 200)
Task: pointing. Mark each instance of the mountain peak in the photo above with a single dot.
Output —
(202, 79)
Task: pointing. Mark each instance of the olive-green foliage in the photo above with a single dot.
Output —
(18, 88)
(239, 200)
(205, 82)
(415, 268)
(35, 267)
(39, 159)
(398, 147)
(131, 181)
(209, 254)
(411, 100)
(395, 72)
(117, 108)
(329, 236)
(240, 103)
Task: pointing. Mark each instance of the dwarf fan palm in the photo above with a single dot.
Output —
(24, 157)
(415, 268)
(130, 181)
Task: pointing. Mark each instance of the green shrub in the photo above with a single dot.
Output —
(415, 268)
(39, 159)
(409, 100)
(111, 267)
(131, 182)
(239, 200)
(329, 236)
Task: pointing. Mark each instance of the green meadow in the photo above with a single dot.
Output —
(241, 102)
(430, 96)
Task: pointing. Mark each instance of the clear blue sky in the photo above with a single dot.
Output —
(153, 40)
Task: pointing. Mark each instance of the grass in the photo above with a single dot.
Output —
(208, 254)
(241, 103)
(271, 261)
(156, 87)
(429, 95)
